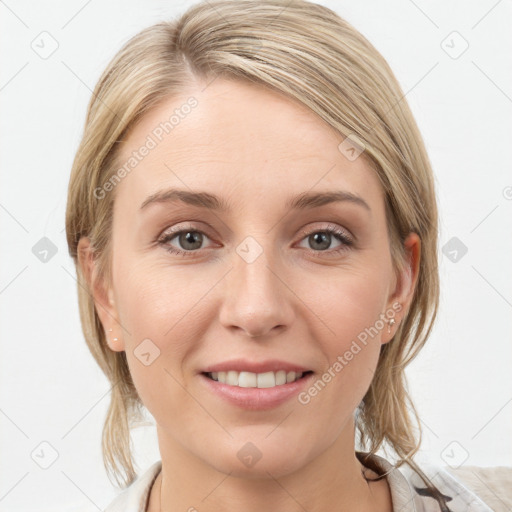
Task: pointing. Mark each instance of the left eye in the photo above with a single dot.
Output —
(323, 237)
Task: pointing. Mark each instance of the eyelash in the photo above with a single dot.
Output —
(333, 230)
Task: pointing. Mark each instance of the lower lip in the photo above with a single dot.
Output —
(256, 399)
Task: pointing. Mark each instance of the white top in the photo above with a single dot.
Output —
(408, 492)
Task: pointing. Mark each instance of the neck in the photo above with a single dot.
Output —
(332, 480)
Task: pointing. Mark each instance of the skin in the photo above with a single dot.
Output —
(296, 302)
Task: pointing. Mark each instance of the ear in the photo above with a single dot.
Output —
(405, 284)
(102, 294)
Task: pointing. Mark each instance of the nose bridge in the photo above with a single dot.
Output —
(253, 265)
(256, 298)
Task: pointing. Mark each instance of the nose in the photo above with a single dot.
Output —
(256, 298)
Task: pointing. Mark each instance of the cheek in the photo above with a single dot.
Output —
(166, 312)
(157, 302)
(347, 303)
(349, 312)
(158, 310)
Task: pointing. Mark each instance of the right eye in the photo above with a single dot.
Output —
(190, 239)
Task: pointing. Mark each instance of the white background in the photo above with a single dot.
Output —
(50, 387)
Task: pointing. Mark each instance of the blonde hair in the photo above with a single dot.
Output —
(307, 52)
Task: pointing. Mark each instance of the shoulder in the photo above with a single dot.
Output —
(492, 484)
(458, 496)
(410, 494)
(134, 497)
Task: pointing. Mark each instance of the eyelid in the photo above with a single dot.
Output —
(192, 225)
(304, 232)
(330, 228)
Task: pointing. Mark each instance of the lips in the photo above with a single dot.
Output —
(255, 385)
(256, 398)
(243, 365)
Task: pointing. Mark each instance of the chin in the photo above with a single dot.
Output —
(258, 460)
(276, 467)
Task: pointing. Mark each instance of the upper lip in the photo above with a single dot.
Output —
(243, 365)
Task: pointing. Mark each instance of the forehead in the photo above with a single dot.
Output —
(232, 136)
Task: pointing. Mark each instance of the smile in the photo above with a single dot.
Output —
(256, 380)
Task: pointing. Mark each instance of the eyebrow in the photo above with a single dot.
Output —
(206, 200)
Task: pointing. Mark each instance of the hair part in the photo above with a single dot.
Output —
(311, 55)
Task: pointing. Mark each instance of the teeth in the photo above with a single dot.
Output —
(266, 380)
(280, 377)
(232, 378)
(255, 380)
(247, 380)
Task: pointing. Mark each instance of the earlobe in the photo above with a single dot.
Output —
(102, 294)
(115, 344)
(392, 319)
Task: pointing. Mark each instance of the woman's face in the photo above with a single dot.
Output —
(262, 286)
